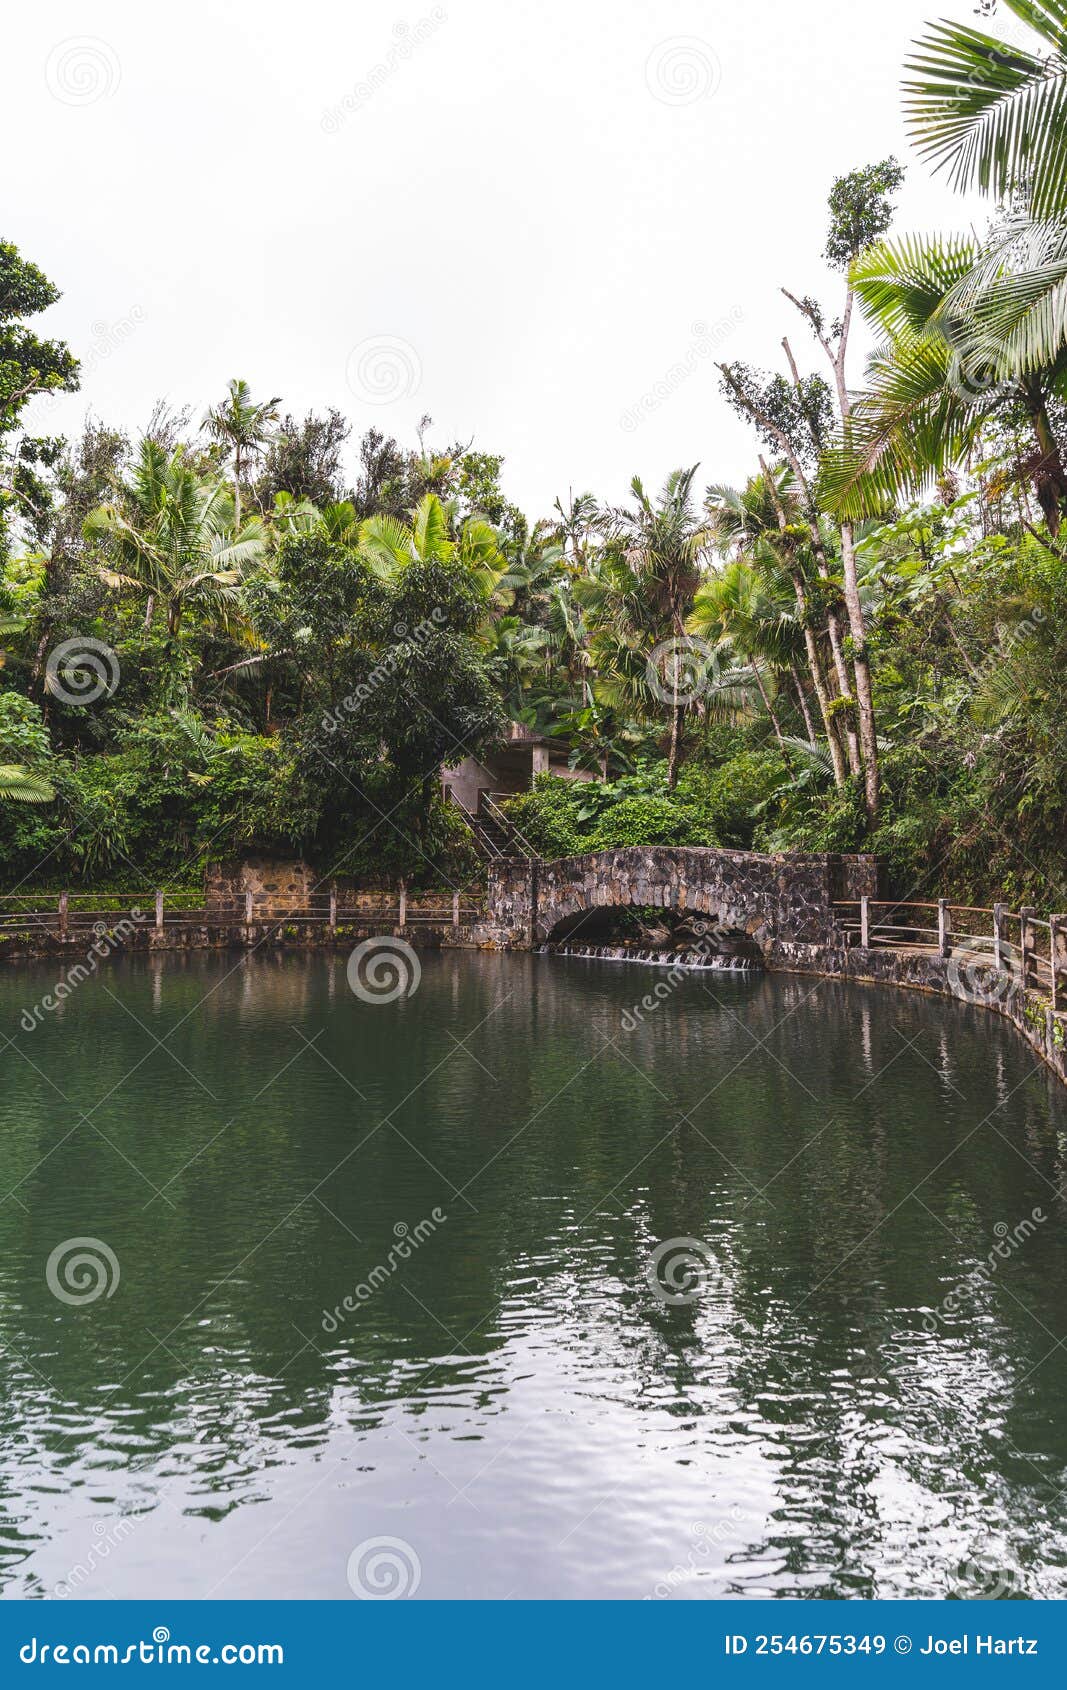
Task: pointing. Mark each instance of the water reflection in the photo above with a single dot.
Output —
(504, 1390)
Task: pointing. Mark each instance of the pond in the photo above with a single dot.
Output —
(518, 1287)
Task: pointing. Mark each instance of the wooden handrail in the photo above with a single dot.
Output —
(948, 939)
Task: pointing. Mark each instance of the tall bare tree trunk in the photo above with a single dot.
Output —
(676, 728)
(837, 355)
(1049, 476)
(818, 679)
(802, 698)
(844, 681)
(769, 707)
(862, 668)
(788, 450)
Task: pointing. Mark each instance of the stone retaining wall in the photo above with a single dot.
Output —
(75, 947)
(278, 887)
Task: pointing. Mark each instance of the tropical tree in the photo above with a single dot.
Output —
(25, 752)
(860, 213)
(763, 525)
(640, 599)
(971, 330)
(388, 544)
(991, 114)
(172, 536)
(244, 428)
(29, 366)
(931, 393)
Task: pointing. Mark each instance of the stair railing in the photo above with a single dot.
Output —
(487, 845)
(487, 801)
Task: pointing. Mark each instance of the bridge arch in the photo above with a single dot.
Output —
(771, 900)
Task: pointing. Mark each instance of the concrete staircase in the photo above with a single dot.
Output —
(495, 837)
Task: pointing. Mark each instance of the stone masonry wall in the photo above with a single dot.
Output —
(766, 897)
(278, 888)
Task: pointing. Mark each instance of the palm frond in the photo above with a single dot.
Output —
(23, 786)
(993, 115)
(912, 424)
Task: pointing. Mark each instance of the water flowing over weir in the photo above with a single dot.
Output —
(652, 957)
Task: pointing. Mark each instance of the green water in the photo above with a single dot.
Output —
(515, 1403)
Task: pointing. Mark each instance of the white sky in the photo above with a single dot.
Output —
(515, 207)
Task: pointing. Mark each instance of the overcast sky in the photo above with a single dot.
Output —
(518, 218)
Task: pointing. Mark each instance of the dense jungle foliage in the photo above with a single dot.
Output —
(217, 639)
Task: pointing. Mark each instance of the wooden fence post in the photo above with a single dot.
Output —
(64, 898)
(403, 911)
(1055, 946)
(455, 909)
(333, 908)
(248, 909)
(944, 927)
(1025, 915)
(865, 921)
(998, 937)
(159, 912)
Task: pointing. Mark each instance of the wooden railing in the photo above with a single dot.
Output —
(109, 913)
(1015, 942)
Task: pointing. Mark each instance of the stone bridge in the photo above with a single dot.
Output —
(772, 901)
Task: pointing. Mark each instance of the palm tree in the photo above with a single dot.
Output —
(580, 522)
(244, 428)
(991, 114)
(934, 383)
(765, 524)
(389, 545)
(736, 613)
(643, 593)
(173, 537)
(971, 329)
(337, 522)
(515, 659)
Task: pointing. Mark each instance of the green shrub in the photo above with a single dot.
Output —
(562, 818)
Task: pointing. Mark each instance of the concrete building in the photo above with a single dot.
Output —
(513, 768)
